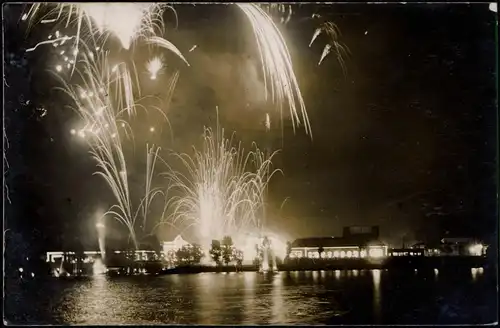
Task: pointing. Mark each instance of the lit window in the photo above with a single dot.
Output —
(376, 252)
(342, 254)
(349, 254)
(316, 255)
(323, 255)
(362, 254)
(310, 255)
(329, 255)
(355, 254)
(336, 254)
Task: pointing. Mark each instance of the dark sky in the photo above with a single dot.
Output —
(406, 140)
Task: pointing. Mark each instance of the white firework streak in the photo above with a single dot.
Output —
(277, 64)
(333, 34)
(154, 67)
(103, 115)
(126, 21)
(161, 42)
(223, 192)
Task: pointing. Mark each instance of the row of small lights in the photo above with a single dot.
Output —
(342, 254)
(81, 133)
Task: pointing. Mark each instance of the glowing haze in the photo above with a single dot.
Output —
(223, 192)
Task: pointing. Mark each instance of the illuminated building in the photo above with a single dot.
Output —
(356, 242)
(174, 245)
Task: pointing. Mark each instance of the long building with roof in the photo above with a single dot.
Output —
(355, 242)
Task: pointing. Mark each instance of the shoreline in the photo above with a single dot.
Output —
(403, 264)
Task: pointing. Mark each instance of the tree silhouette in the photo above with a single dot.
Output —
(227, 249)
(216, 251)
(288, 249)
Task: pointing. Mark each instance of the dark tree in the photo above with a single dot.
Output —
(238, 257)
(288, 249)
(227, 250)
(183, 255)
(216, 252)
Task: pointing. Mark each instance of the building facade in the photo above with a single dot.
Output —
(356, 242)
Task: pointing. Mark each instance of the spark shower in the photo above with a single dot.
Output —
(224, 190)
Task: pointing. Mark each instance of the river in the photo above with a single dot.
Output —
(319, 297)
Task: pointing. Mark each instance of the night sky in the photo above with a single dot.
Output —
(405, 140)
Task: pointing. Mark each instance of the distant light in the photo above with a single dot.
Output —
(99, 225)
(66, 58)
(114, 68)
(25, 16)
(123, 125)
(49, 37)
(493, 7)
(376, 252)
(58, 68)
(57, 34)
(113, 135)
(152, 129)
(75, 52)
(21, 270)
(62, 52)
(32, 274)
(97, 48)
(73, 131)
(366, 32)
(476, 250)
(81, 134)
(69, 65)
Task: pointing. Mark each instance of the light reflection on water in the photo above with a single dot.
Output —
(376, 294)
(320, 297)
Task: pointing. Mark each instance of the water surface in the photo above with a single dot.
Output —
(320, 297)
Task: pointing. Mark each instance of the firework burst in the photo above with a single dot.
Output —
(104, 102)
(333, 44)
(154, 67)
(277, 65)
(223, 191)
(126, 21)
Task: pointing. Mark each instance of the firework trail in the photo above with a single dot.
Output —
(161, 42)
(126, 21)
(105, 121)
(284, 11)
(277, 64)
(224, 189)
(333, 34)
